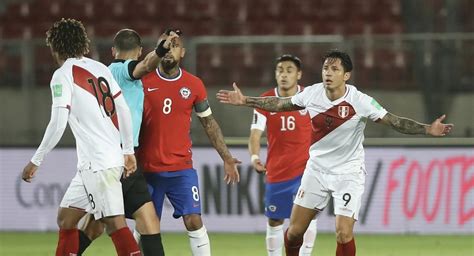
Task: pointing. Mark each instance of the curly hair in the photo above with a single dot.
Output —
(68, 38)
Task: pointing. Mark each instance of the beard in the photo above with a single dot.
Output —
(168, 64)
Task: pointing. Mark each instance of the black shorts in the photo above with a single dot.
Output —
(135, 193)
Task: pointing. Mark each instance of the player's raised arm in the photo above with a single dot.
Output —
(409, 126)
(151, 60)
(272, 104)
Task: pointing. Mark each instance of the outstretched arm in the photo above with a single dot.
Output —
(409, 126)
(272, 104)
(214, 133)
(151, 60)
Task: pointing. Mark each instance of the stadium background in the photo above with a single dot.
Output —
(416, 57)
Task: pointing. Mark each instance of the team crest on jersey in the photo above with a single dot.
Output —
(343, 111)
(303, 112)
(272, 208)
(185, 92)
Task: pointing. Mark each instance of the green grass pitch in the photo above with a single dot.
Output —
(223, 244)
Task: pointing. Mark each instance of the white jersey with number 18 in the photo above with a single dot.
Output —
(87, 88)
(338, 128)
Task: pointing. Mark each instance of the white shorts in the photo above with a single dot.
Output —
(346, 190)
(96, 192)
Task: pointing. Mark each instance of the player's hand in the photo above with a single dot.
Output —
(130, 165)
(234, 97)
(171, 39)
(29, 172)
(437, 128)
(259, 166)
(231, 172)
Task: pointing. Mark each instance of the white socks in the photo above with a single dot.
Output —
(274, 240)
(199, 241)
(308, 239)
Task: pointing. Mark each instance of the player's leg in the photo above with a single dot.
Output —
(73, 207)
(310, 234)
(274, 237)
(347, 196)
(312, 197)
(309, 238)
(90, 230)
(197, 233)
(278, 203)
(139, 206)
(68, 242)
(183, 194)
(345, 236)
(105, 194)
(122, 237)
(300, 219)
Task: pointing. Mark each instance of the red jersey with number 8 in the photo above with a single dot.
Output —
(165, 139)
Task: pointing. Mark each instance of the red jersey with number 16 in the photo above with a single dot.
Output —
(288, 135)
(165, 140)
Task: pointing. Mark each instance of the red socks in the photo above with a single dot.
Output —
(124, 242)
(292, 248)
(68, 243)
(347, 249)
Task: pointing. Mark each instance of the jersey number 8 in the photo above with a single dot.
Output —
(167, 106)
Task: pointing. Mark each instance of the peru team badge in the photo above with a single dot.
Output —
(185, 92)
(343, 111)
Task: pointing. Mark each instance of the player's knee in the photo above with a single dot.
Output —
(192, 222)
(147, 223)
(275, 222)
(343, 235)
(295, 233)
(94, 230)
(64, 222)
(113, 224)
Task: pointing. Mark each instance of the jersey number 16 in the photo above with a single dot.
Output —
(287, 123)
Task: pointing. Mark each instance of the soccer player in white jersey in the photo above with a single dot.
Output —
(86, 96)
(335, 167)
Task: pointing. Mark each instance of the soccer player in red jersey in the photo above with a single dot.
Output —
(287, 134)
(336, 166)
(165, 152)
(86, 95)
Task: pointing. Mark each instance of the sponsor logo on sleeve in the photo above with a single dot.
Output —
(376, 104)
(57, 90)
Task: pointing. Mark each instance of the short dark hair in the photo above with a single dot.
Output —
(127, 39)
(346, 61)
(68, 38)
(289, 57)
